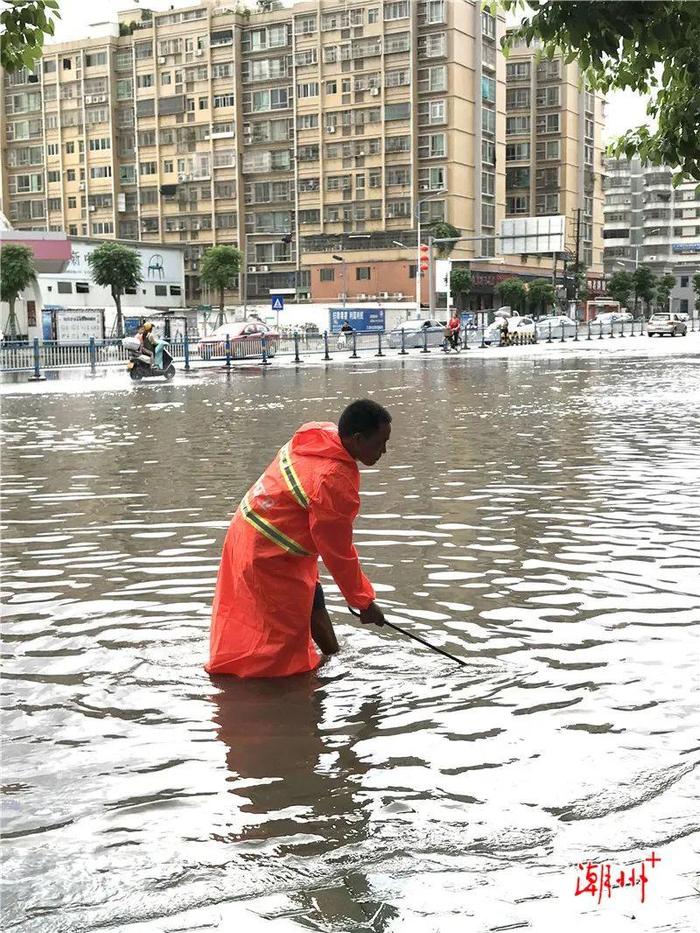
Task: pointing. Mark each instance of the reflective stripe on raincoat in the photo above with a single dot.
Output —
(302, 507)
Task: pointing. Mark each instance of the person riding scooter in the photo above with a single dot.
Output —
(147, 339)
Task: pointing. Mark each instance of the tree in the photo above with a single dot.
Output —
(664, 286)
(442, 230)
(219, 267)
(460, 285)
(116, 267)
(649, 47)
(541, 295)
(620, 286)
(512, 292)
(644, 282)
(696, 289)
(16, 273)
(25, 23)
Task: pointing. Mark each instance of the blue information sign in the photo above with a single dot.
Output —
(365, 320)
(277, 303)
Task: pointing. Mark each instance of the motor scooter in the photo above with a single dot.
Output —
(143, 366)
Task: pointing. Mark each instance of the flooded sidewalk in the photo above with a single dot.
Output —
(538, 514)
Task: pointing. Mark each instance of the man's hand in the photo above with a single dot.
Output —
(372, 615)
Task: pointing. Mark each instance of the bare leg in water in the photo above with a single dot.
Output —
(321, 625)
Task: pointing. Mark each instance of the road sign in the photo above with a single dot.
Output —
(277, 303)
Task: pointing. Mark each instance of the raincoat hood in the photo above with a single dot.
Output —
(320, 439)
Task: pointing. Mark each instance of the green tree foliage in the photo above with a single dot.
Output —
(117, 268)
(651, 48)
(218, 269)
(621, 286)
(25, 23)
(460, 285)
(540, 296)
(644, 282)
(696, 289)
(16, 273)
(664, 287)
(512, 292)
(440, 231)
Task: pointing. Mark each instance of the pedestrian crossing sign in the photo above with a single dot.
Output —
(277, 303)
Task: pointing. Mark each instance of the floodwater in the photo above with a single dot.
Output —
(540, 518)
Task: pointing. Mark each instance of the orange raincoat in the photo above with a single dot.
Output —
(302, 507)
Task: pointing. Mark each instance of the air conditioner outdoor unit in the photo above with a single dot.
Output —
(384, 295)
(101, 99)
(92, 207)
(342, 295)
(398, 296)
(374, 91)
(162, 60)
(88, 99)
(199, 53)
(263, 268)
(81, 186)
(181, 177)
(330, 129)
(362, 296)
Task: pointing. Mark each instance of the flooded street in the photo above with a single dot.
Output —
(538, 517)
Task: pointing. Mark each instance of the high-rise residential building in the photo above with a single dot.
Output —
(554, 148)
(649, 222)
(314, 130)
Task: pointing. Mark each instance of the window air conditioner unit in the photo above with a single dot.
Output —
(161, 60)
(88, 99)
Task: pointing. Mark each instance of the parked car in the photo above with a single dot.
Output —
(245, 338)
(413, 334)
(613, 317)
(520, 326)
(555, 324)
(665, 322)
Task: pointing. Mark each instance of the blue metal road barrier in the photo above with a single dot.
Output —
(265, 361)
(186, 349)
(37, 377)
(326, 354)
(228, 352)
(403, 351)
(425, 341)
(297, 358)
(93, 356)
(353, 355)
(549, 338)
(379, 344)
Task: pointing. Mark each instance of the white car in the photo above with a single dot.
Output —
(662, 322)
(413, 332)
(554, 325)
(613, 317)
(521, 327)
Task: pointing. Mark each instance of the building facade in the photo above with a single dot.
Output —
(649, 222)
(313, 130)
(554, 149)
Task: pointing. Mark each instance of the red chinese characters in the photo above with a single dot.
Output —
(601, 878)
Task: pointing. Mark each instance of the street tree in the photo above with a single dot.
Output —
(513, 293)
(440, 231)
(696, 289)
(219, 267)
(621, 286)
(541, 295)
(117, 268)
(664, 287)
(25, 24)
(460, 286)
(16, 273)
(651, 48)
(644, 282)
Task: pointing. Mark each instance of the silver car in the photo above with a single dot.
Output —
(414, 332)
(554, 326)
(664, 322)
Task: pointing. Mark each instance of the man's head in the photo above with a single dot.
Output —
(364, 428)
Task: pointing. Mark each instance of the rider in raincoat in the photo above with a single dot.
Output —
(268, 607)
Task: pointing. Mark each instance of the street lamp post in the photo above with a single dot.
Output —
(419, 204)
(345, 284)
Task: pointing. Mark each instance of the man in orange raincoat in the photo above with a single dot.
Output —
(268, 607)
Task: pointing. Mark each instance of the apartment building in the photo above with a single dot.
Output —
(313, 130)
(554, 148)
(649, 222)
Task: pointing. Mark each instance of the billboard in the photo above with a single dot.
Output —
(532, 235)
(72, 325)
(159, 263)
(365, 320)
(443, 267)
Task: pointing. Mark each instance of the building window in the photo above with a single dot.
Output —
(175, 290)
(362, 274)
(517, 71)
(517, 98)
(520, 204)
(683, 306)
(517, 178)
(65, 288)
(82, 288)
(327, 275)
(517, 152)
(397, 112)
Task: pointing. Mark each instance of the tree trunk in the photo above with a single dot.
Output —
(12, 320)
(120, 321)
(221, 307)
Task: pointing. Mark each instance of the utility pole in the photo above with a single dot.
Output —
(578, 251)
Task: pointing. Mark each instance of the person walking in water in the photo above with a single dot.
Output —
(268, 606)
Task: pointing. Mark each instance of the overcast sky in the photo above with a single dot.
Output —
(625, 109)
